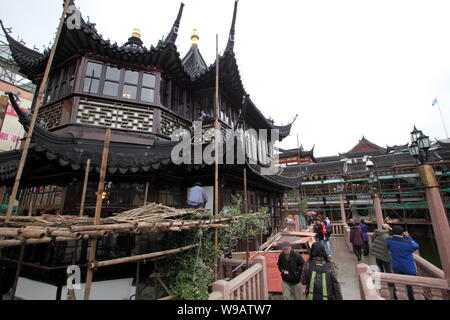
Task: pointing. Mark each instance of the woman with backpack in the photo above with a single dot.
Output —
(319, 276)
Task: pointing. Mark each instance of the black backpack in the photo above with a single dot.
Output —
(318, 286)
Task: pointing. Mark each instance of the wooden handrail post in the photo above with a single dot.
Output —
(26, 146)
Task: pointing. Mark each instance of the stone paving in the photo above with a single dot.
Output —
(345, 263)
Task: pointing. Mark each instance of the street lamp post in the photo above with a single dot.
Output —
(373, 180)
(419, 147)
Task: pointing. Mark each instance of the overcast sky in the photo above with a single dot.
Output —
(348, 68)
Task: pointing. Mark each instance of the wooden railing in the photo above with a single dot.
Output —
(249, 285)
(424, 288)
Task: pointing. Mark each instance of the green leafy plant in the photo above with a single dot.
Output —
(191, 273)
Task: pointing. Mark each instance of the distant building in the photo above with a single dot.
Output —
(326, 179)
(11, 80)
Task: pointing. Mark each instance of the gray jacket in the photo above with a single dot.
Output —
(379, 248)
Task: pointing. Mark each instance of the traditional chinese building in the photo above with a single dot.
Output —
(326, 179)
(143, 94)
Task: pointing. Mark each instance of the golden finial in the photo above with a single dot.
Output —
(136, 33)
(195, 37)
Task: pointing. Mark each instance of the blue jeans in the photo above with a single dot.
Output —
(327, 245)
(409, 289)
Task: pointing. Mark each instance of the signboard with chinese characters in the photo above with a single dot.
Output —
(11, 131)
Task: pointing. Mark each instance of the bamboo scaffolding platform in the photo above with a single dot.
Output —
(149, 218)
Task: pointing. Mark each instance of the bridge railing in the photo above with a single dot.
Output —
(378, 286)
(249, 285)
(338, 228)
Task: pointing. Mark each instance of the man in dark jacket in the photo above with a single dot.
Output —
(290, 264)
(356, 239)
(402, 247)
(365, 232)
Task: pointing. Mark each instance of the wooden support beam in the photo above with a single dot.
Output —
(216, 162)
(19, 267)
(42, 87)
(147, 188)
(85, 185)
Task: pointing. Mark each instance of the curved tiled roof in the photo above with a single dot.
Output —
(192, 69)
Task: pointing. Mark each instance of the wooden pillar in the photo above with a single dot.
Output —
(98, 210)
(85, 185)
(245, 192)
(343, 213)
(378, 211)
(26, 145)
(147, 189)
(438, 216)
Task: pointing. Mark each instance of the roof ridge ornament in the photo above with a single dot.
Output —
(135, 39)
(173, 35)
(195, 37)
(230, 44)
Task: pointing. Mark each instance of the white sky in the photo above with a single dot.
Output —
(349, 68)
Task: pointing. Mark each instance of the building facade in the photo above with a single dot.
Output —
(326, 179)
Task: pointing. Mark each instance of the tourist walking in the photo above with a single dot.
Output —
(356, 239)
(381, 253)
(328, 227)
(322, 236)
(365, 233)
(290, 264)
(402, 246)
(319, 276)
(380, 248)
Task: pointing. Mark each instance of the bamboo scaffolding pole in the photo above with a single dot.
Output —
(98, 210)
(142, 257)
(18, 268)
(16, 243)
(216, 162)
(85, 185)
(42, 87)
